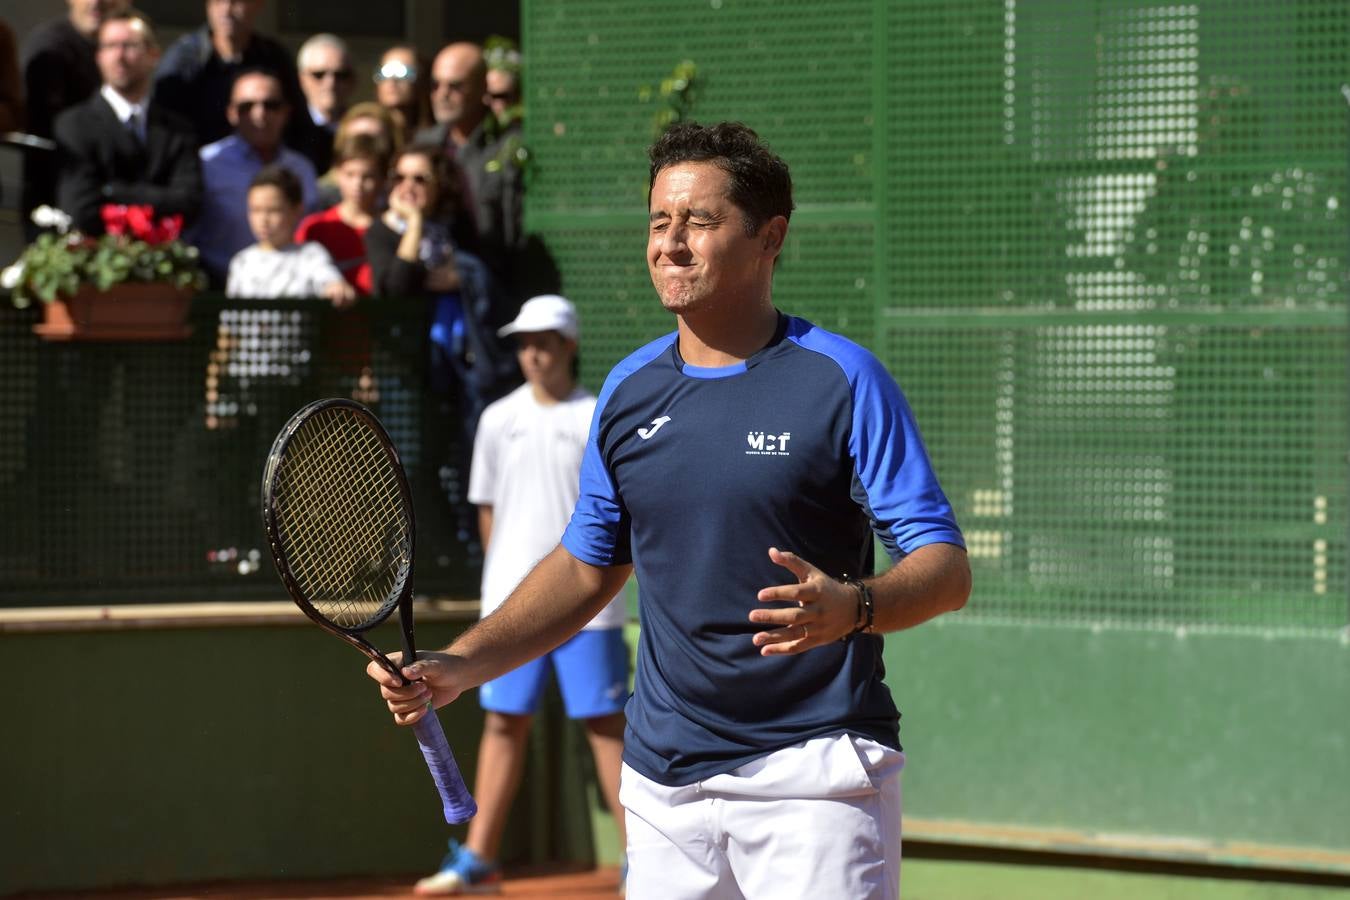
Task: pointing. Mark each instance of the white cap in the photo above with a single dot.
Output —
(547, 312)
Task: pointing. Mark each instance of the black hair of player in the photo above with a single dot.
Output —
(758, 181)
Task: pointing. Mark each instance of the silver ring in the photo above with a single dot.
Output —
(806, 633)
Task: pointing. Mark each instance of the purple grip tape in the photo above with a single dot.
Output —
(458, 803)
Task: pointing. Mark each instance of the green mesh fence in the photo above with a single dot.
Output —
(130, 472)
(1100, 245)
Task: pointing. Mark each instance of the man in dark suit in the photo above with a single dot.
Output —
(119, 148)
(58, 72)
(327, 80)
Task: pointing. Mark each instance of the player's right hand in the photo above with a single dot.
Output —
(431, 684)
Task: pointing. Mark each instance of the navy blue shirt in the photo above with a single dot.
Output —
(692, 474)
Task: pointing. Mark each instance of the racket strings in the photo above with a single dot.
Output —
(343, 519)
(360, 531)
(353, 542)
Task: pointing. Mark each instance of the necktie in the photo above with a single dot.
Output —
(136, 125)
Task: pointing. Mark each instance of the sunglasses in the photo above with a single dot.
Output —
(417, 178)
(396, 70)
(128, 46)
(504, 96)
(245, 107)
(335, 74)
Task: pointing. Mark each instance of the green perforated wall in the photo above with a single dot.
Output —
(1099, 244)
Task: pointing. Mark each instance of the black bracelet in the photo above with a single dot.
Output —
(863, 620)
(867, 602)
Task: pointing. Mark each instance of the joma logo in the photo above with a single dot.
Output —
(767, 444)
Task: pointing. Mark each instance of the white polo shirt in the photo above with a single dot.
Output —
(527, 467)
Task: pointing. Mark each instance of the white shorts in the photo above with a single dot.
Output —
(818, 819)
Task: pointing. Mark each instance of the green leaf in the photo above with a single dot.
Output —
(60, 264)
(45, 286)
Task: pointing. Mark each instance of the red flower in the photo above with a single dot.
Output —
(170, 227)
(142, 222)
(114, 218)
(139, 222)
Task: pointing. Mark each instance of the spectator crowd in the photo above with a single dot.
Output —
(285, 185)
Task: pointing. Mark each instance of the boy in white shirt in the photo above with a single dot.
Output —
(277, 266)
(525, 478)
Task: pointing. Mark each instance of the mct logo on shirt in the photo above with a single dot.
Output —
(763, 444)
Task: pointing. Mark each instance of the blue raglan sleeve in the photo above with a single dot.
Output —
(894, 479)
(598, 532)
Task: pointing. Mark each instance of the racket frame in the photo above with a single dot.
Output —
(354, 635)
(457, 803)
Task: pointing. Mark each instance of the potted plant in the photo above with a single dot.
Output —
(134, 282)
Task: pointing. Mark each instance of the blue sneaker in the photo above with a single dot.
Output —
(462, 872)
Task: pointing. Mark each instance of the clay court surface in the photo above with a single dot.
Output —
(522, 884)
(923, 880)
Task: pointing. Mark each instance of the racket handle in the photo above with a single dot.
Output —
(458, 803)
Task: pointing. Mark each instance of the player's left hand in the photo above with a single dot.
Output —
(825, 610)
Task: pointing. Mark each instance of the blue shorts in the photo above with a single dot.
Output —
(592, 671)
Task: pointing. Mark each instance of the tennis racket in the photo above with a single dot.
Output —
(339, 520)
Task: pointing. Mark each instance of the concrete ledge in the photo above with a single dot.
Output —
(196, 615)
(1159, 848)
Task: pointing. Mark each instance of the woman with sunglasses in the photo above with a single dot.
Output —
(400, 85)
(417, 248)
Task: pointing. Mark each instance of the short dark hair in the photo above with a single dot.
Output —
(283, 179)
(758, 181)
(131, 14)
(263, 71)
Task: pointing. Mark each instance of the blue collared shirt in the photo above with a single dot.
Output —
(228, 167)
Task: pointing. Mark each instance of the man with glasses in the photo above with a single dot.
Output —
(458, 82)
(327, 81)
(472, 137)
(503, 82)
(120, 148)
(503, 95)
(258, 112)
(198, 70)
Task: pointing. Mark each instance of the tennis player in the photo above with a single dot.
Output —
(741, 465)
